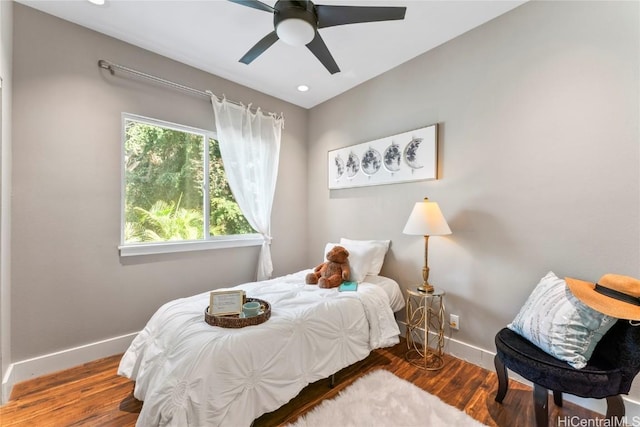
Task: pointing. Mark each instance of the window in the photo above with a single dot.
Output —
(175, 193)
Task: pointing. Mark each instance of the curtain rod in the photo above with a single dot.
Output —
(108, 65)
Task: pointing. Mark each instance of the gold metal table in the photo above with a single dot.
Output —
(425, 329)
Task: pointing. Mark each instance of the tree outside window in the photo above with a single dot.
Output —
(175, 186)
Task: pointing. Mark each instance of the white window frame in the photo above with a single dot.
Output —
(208, 241)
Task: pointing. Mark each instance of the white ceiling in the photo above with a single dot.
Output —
(213, 34)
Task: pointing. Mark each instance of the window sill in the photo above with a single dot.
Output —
(136, 249)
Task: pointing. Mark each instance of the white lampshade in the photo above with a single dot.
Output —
(295, 32)
(426, 219)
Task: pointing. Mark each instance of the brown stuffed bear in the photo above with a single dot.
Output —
(332, 273)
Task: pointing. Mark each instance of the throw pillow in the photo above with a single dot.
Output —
(380, 248)
(559, 323)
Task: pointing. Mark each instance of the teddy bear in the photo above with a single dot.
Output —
(332, 273)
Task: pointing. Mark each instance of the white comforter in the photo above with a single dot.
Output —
(189, 373)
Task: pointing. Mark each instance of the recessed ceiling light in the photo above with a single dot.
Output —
(303, 88)
(98, 2)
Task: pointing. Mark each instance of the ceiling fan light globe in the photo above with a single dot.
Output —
(295, 32)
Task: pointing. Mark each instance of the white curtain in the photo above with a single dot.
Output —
(250, 149)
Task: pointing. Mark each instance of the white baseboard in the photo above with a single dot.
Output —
(484, 359)
(65, 359)
(7, 384)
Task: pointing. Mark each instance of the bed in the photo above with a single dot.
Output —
(189, 373)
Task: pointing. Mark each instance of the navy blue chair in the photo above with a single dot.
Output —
(608, 374)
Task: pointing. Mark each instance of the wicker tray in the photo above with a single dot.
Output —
(235, 321)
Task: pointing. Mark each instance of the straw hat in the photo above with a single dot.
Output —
(614, 295)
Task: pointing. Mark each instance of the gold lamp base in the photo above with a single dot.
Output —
(426, 288)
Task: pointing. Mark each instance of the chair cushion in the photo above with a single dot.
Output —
(559, 323)
(597, 379)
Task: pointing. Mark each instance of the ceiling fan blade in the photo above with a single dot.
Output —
(329, 16)
(320, 50)
(254, 4)
(259, 47)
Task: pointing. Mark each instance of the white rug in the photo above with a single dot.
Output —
(380, 399)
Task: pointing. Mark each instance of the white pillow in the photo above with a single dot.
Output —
(380, 248)
(559, 323)
(360, 259)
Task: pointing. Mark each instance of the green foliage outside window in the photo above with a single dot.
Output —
(164, 184)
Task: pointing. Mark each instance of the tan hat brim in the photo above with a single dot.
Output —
(585, 292)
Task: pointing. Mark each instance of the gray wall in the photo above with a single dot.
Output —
(69, 285)
(6, 45)
(539, 158)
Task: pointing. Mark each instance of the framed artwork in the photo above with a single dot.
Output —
(225, 302)
(408, 156)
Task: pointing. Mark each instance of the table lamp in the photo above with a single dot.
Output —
(426, 220)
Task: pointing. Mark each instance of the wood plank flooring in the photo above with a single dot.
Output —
(93, 395)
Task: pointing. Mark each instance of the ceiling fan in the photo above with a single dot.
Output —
(297, 23)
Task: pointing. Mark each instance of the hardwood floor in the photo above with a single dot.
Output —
(93, 395)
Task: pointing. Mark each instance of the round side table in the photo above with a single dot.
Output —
(425, 329)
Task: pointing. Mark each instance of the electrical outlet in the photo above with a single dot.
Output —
(454, 322)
